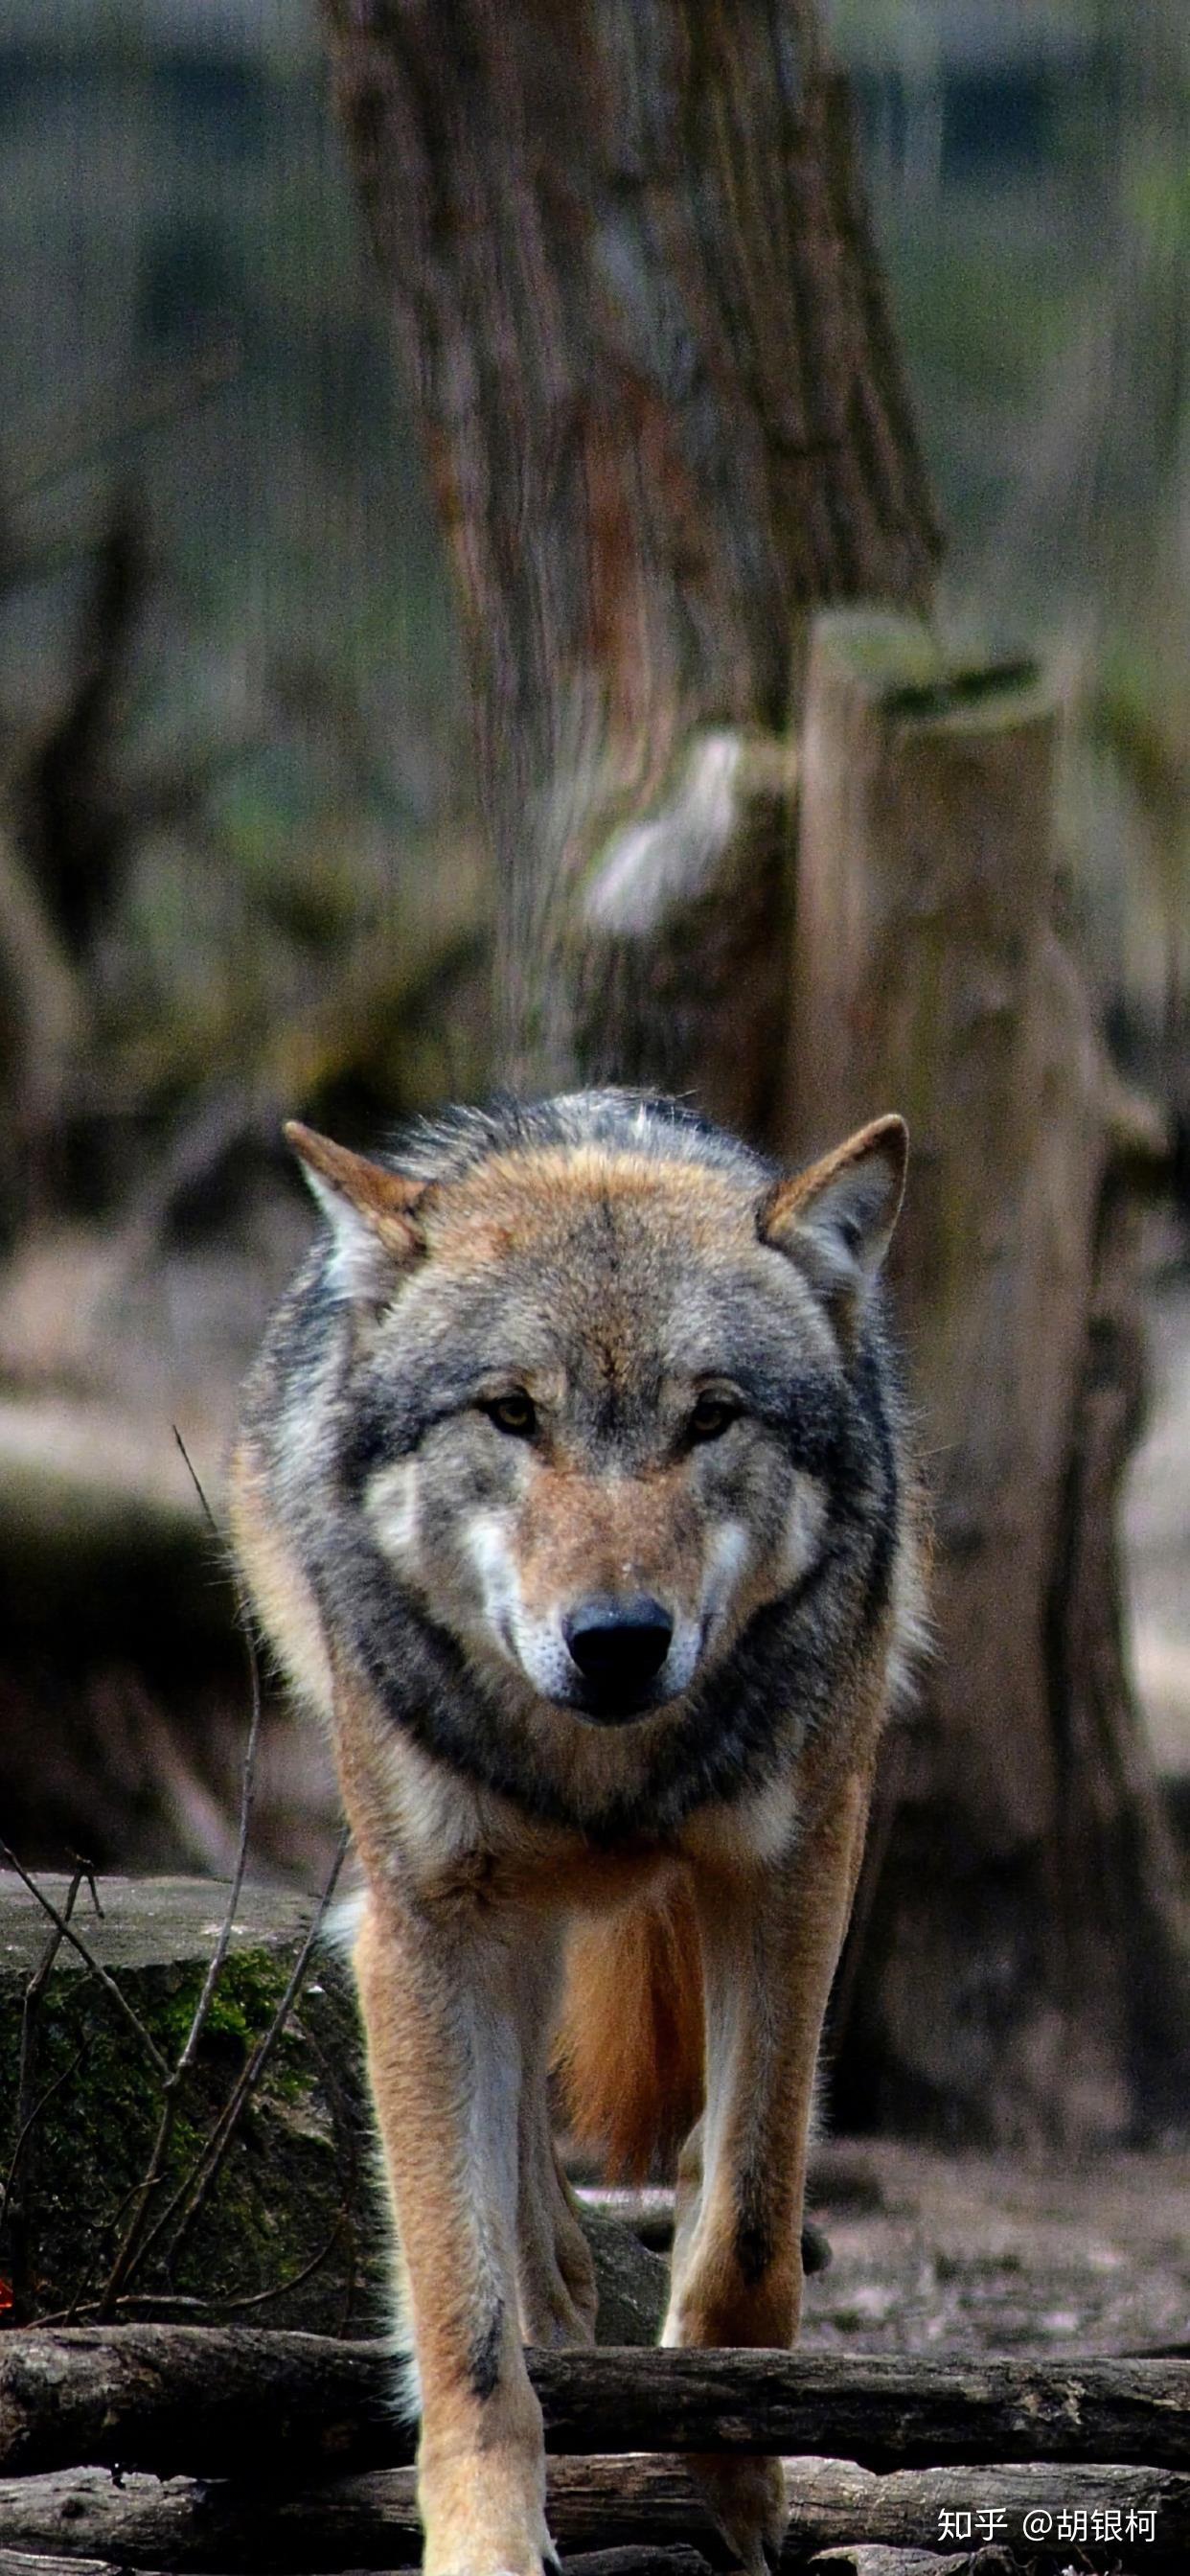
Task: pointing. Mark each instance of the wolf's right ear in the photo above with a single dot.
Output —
(836, 1219)
(372, 1211)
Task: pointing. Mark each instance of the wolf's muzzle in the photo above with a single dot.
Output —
(619, 1647)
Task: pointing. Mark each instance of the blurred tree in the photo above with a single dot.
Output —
(631, 266)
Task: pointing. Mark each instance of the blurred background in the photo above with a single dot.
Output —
(240, 872)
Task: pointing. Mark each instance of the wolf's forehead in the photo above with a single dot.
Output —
(587, 1203)
(593, 1219)
(585, 1266)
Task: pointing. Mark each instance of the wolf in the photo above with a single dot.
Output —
(574, 1492)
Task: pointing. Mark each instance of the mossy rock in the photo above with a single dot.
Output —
(295, 2231)
(291, 2234)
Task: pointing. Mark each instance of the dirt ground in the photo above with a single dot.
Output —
(953, 2256)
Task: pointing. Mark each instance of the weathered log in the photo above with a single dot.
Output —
(371, 2521)
(177, 2399)
(639, 2558)
(929, 976)
(862, 2558)
(642, 2558)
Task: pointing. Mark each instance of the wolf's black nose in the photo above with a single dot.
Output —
(618, 1645)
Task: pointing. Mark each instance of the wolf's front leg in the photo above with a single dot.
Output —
(557, 2273)
(770, 1942)
(444, 2058)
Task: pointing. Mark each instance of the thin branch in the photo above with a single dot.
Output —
(175, 389)
(151, 2306)
(30, 2123)
(347, 2158)
(191, 2197)
(253, 2298)
(131, 2016)
(132, 2243)
(12, 2203)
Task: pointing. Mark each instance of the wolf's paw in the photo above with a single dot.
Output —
(482, 2512)
(483, 2564)
(551, 2317)
(748, 2500)
(477, 2554)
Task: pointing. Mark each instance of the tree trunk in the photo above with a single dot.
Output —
(632, 272)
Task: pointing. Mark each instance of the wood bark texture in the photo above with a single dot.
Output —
(233, 2401)
(371, 2520)
(632, 274)
(928, 975)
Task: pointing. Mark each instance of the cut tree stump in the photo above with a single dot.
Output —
(289, 2223)
(930, 976)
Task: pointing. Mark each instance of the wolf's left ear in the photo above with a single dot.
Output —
(836, 1220)
(372, 1212)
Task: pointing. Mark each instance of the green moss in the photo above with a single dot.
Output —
(297, 2177)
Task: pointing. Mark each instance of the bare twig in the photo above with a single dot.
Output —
(132, 2242)
(256, 2298)
(8, 2201)
(164, 2306)
(347, 2158)
(28, 2111)
(131, 2016)
(192, 2195)
(173, 390)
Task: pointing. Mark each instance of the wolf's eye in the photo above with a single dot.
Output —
(514, 1413)
(712, 1416)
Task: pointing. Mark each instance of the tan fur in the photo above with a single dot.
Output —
(630, 2040)
(579, 1531)
(276, 1585)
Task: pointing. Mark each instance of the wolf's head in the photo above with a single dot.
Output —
(600, 1384)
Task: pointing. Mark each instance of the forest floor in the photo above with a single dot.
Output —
(949, 2255)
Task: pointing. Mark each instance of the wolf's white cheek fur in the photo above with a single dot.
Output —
(804, 1527)
(392, 1509)
(728, 1550)
(485, 1539)
(531, 1644)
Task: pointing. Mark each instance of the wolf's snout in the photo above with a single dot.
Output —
(619, 1646)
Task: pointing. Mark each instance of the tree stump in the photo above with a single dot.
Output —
(998, 1995)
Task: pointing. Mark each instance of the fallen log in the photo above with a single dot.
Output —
(191, 2525)
(856, 2558)
(214, 2401)
(643, 2558)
